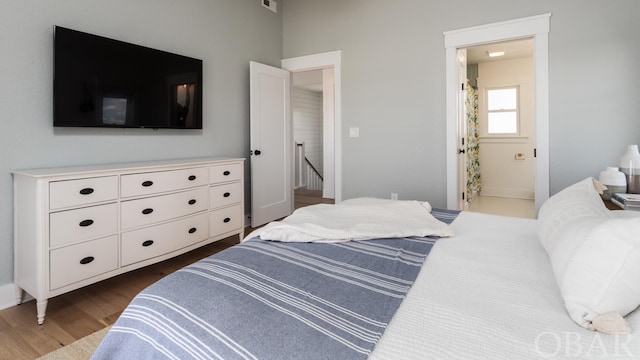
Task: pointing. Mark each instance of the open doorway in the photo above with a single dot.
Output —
(500, 129)
(535, 27)
(308, 107)
(329, 64)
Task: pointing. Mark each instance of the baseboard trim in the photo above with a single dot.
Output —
(7, 296)
(508, 193)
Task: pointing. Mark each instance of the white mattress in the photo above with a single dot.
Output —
(489, 293)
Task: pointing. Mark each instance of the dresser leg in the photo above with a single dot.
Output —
(18, 295)
(41, 305)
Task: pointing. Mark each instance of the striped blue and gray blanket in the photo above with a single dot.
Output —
(272, 300)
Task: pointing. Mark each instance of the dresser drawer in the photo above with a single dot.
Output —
(82, 191)
(150, 210)
(82, 261)
(224, 173)
(227, 194)
(147, 243)
(162, 181)
(70, 226)
(225, 220)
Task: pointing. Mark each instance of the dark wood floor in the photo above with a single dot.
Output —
(304, 197)
(84, 311)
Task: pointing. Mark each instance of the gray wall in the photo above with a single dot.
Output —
(393, 83)
(225, 34)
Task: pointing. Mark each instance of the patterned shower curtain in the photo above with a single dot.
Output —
(474, 183)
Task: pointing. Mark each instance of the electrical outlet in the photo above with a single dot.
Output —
(394, 196)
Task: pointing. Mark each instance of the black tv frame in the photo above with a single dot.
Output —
(103, 82)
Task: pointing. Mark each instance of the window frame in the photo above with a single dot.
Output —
(486, 112)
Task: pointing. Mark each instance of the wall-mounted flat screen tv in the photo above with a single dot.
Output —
(101, 82)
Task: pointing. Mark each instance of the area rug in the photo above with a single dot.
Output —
(80, 349)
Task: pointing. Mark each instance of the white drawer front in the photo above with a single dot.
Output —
(225, 220)
(161, 181)
(160, 208)
(82, 261)
(224, 173)
(82, 191)
(227, 194)
(143, 244)
(80, 224)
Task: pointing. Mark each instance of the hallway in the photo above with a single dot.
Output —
(304, 197)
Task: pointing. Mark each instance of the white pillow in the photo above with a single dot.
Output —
(595, 254)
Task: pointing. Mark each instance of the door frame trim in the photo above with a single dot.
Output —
(332, 59)
(536, 27)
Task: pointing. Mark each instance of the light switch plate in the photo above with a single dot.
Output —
(354, 132)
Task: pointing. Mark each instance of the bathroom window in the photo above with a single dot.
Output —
(502, 111)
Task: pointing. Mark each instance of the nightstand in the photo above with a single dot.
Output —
(611, 206)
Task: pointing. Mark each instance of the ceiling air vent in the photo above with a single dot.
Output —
(271, 5)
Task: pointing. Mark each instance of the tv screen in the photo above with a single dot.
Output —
(101, 82)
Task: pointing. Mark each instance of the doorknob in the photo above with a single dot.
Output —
(257, 152)
(461, 151)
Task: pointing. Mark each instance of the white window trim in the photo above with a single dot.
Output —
(484, 121)
(504, 139)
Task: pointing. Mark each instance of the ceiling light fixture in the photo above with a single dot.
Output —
(495, 53)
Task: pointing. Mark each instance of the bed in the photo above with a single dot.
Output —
(488, 291)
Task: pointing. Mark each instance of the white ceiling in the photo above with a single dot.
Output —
(513, 50)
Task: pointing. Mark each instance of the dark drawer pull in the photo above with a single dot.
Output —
(147, 183)
(226, 220)
(192, 201)
(147, 211)
(147, 243)
(192, 230)
(227, 173)
(226, 194)
(87, 260)
(85, 223)
(192, 177)
(86, 191)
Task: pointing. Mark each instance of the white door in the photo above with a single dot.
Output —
(271, 151)
(462, 126)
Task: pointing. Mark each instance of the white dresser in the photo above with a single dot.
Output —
(79, 225)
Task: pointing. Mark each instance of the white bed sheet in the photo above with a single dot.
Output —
(489, 293)
(355, 219)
